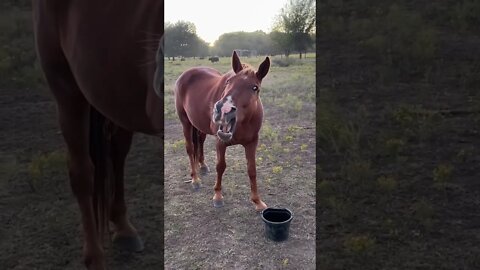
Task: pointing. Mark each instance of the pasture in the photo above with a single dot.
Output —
(199, 236)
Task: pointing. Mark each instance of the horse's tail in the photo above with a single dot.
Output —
(196, 144)
(103, 185)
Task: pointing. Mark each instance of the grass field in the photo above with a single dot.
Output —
(199, 236)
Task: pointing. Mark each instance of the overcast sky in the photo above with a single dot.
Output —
(215, 17)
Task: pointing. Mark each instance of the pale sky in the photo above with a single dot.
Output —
(215, 17)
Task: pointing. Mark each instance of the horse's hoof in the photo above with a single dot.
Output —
(196, 186)
(259, 207)
(204, 170)
(128, 243)
(218, 203)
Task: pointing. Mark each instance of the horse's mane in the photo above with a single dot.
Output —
(246, 70)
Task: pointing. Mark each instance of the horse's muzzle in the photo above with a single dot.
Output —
(224, 115)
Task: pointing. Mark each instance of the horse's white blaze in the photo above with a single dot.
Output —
(227, 106)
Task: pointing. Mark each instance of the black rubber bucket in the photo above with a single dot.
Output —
(277, 223)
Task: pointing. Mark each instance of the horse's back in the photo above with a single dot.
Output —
(196, 90)
(199, 79)
(109, 48)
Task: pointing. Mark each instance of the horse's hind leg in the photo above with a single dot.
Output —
(189, 146)
(125, 235)
(73, 114)
(221, 165)
(204, 170)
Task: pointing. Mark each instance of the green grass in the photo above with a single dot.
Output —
(442, 175)
(415, 121)
(269, 133)
(44, 165)
(359, 244)
(387, 183)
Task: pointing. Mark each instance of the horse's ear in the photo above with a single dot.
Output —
(236, 64)
(263, 69)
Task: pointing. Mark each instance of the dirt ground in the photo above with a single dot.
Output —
(39, 215)
(199, 236)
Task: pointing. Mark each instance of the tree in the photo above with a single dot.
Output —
(257, 41)
(180, 39)
(201, 47)
(280, 43)
(297, 21)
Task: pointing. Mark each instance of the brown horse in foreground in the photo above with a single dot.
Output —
(99, 59)
(227, 106)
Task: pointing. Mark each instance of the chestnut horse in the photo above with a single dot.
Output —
(99, 59)
(227, 106)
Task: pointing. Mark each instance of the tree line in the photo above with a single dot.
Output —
(293, 31)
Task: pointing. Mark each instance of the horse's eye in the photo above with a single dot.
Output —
(228, 81)
(255, 88)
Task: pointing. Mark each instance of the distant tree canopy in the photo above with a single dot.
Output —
(294, 26)
(181, 40)
(257, 41)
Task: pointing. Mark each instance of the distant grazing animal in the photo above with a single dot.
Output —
(103, 61)
(228, 106)
(214, 59)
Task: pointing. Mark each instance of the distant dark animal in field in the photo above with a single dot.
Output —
(227, 106)
(201, 58)
(182, 59)
(103, 62)
(214, 59)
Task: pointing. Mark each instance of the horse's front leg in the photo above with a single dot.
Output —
(250, 150)
(221, 165)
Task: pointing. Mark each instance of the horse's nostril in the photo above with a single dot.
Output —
(233, 109)
(218, 106)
